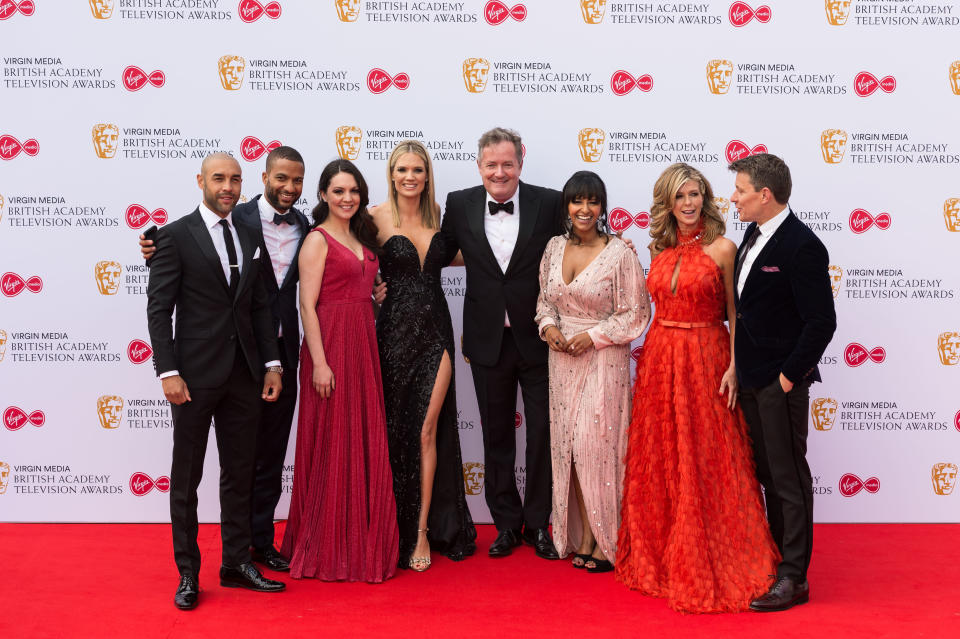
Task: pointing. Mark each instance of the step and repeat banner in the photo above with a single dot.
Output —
(109, 107)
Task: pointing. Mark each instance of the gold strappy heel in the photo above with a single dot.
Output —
(420, 563)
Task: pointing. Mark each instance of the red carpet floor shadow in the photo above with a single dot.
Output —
(118, 580)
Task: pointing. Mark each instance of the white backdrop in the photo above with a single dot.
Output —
(87, 433)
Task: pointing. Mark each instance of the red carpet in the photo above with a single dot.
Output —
(109, 581)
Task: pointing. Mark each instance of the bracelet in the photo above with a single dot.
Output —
(275, 369)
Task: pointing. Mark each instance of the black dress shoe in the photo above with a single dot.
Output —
(505, 542)
(187, 592)
(247, 576)
(541, 542)
(785, 593)
(270, 558)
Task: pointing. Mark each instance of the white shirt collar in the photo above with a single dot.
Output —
(266, 209)
(211, 219)
(768, 228)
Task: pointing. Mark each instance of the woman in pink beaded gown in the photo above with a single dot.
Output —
(342, 523)
(693, 528)
(592, 304)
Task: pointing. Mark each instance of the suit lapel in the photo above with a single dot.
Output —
(247, 249)
(476, 209)
(529, 210)
(202, 237)
(768, 249)
(293, 273)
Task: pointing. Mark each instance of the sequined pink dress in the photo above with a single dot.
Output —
(590, 394)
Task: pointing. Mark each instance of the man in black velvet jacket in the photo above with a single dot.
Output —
(785, 319)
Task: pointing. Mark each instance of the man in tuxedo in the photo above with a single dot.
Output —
(502, 228)
(212, 366)
(785, 319)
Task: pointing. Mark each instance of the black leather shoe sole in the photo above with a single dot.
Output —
(250, 586)
(185, 605)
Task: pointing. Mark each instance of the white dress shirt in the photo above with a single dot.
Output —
(501, 231)
(767, 229)
(281, 241)
(212, 221)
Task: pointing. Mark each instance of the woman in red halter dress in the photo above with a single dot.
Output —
(693, 528)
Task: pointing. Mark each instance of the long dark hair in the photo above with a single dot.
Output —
(361, 224)
(588, 185)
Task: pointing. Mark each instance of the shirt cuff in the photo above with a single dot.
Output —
(600, 340)
(272, 362)
(168, 374)
(544, 323)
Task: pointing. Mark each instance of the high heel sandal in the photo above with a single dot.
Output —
(420, 563)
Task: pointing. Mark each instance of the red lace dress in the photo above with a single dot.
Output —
(693, 528)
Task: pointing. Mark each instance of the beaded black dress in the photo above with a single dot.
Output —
(413, 331)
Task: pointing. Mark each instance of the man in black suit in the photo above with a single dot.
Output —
(502, 228)
(211, 367)
(785, 319)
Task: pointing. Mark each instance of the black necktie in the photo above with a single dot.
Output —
(231, 255)
(495, 207)
(743, 254)
(284, 218)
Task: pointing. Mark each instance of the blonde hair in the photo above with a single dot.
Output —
(429, 211)
(663, 225)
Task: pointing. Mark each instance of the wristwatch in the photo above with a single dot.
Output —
(275, 369)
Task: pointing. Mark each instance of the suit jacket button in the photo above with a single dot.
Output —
(233, 337)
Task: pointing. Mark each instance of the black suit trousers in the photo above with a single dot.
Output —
(778, 428)
(272, 436)
(235, 409)
(496, 388)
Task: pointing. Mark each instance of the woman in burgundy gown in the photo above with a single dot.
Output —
(692, 528)
(342, 523)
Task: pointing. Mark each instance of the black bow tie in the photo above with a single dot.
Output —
(495, 207)
(284, 218)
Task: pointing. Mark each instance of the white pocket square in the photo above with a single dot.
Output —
(256, 254)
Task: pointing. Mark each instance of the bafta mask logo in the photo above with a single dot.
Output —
(723, 205)
(951, 214)
(475, 72)
(955, 77)
(105, 140)
(348, 142)
(110, 411)
(473, 477)
(948, 347)
(3, 344)
(4, 476)
(591, 144)
(593, 10)
(823, 410)
(836, 276)
(101, 9)
(837, 11)
(348, 10)
(107, 274)
(719, 75)
(944, 476)
(833, 144)
(231, 71)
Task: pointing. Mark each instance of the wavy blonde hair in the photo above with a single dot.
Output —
(429, 211)
(663, 225)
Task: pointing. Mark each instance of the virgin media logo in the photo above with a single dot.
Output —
(251, 10)
(517, 419)
(15, 418)
(12, 284)
(252, 148)
(850, 485)
(636, 352)
(622, 83)
(620, 219)
(866, 84)
(496, 12)
(861, 221)
(138, 351)
(135, 78)
(742, 13)
(738, 149)
(9, 8)
(10, 147)
(856, 354)
(956, 421)
(138, 216)
(379, 81)
(142, 483)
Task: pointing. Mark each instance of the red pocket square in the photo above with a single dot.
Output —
(770, 269)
